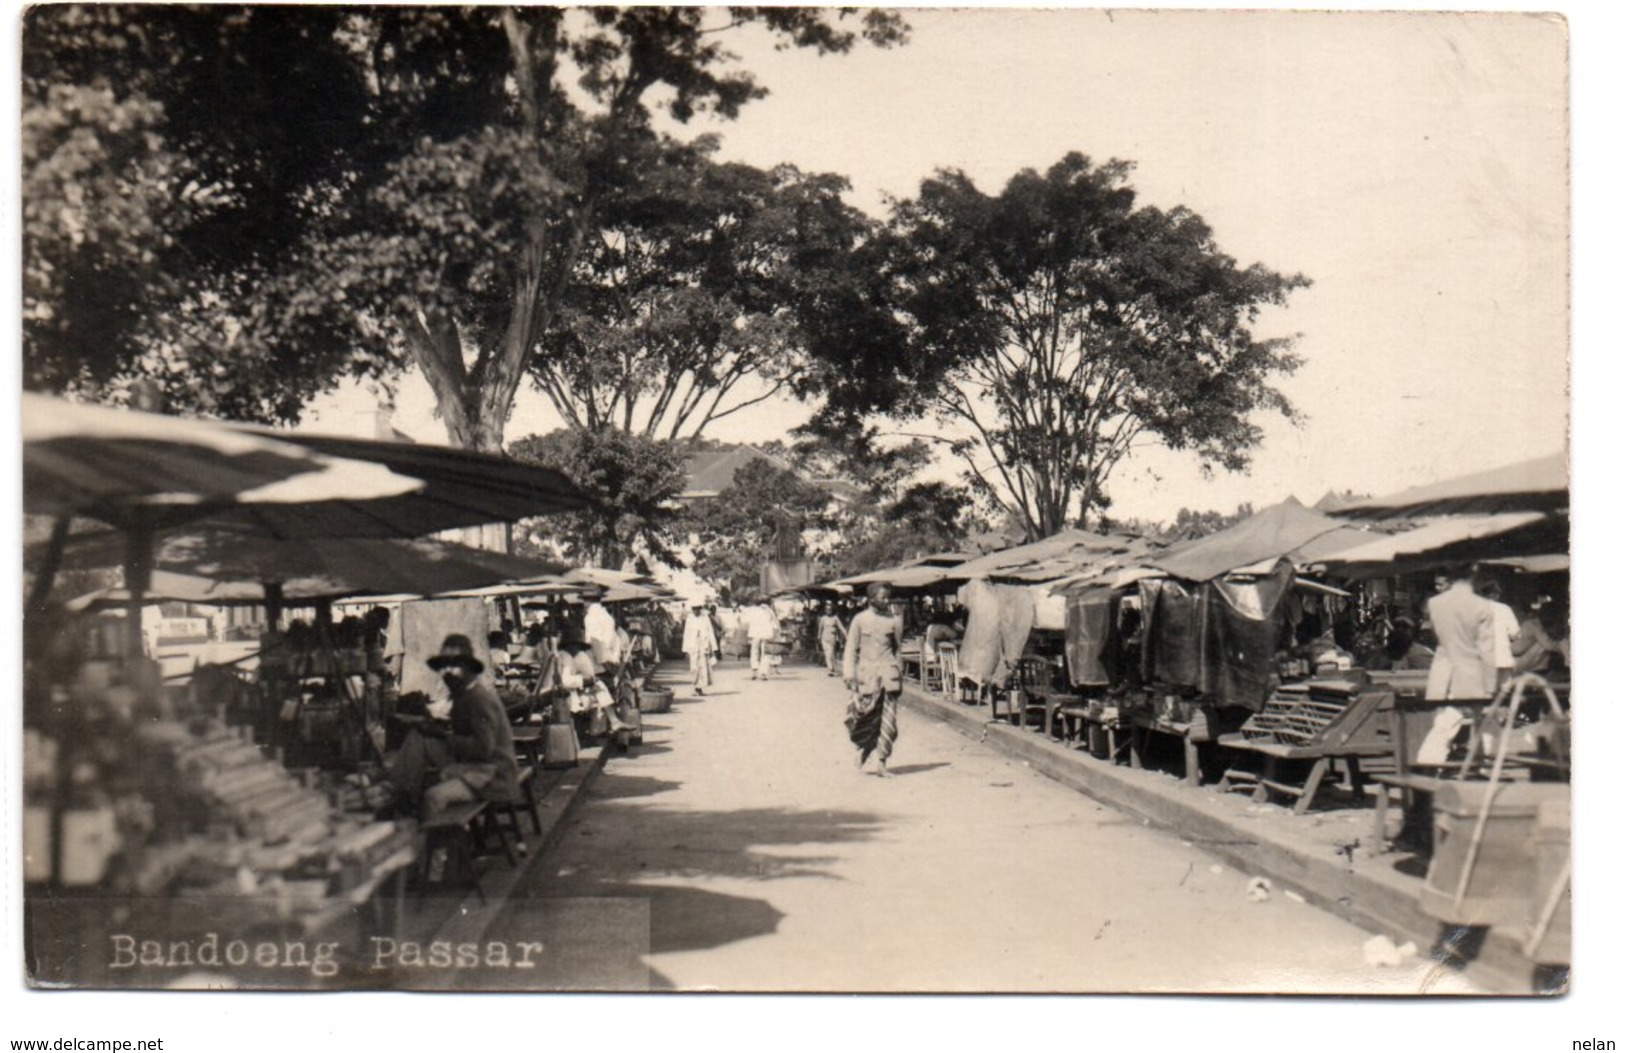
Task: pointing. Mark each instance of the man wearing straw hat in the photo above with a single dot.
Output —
(473, 757)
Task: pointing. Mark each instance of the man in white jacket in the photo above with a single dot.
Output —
(761, 625)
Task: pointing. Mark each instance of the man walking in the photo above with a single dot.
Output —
(873, 670)
(700, 644)
(830, 633)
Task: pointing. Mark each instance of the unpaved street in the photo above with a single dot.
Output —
(769, 863)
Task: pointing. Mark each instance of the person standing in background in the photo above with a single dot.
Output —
(761, 626)
(831, 634)
(603, 636)
(1504, 630)
(1464, 666)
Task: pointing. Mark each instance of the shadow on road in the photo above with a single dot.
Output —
(614, 786)
(916, 769)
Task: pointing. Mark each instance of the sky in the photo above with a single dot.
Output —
(1413, 166)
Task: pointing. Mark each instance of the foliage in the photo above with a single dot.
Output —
(1189, 523)
(373, 187)
(734, 531)
(1062, 322)
(633, 480)
(926, 518)
(682, 310)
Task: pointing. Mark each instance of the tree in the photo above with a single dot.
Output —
(683, 308)
(168, 152)
(402, 185)
(1189, 523)
(733, 532)
(633, 481)
(1063, 323)
(925, 518)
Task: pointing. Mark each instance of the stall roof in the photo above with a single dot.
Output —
(1275, 532)
(1556, 563)
(1045, 560)
(461, 488)
(128, 467)
(1541, 484)
(1433, 537)
(315, 567)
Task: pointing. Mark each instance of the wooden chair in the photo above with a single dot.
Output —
(948, 669)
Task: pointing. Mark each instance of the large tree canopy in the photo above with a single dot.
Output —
(685, 306)
(1061, 323)
(362, 187)
(634, 482)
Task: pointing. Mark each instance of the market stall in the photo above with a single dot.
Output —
(154, 813)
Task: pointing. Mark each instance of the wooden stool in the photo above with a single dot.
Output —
(456, 830)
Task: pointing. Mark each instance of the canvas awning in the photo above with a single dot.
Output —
(1067, 552)
(1431, 537)
(317, 567)
(462, 488)
(1541, 484)
(1269, 535)
(126, 467)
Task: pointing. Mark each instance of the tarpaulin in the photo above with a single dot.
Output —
(1173, 632)
(1242, 623)
(1088, 636)
(1272, 533)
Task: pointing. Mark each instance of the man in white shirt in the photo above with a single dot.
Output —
(1504, 630)
(761, 626)
(602, 635)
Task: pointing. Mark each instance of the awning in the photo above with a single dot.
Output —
(126, 467)
(1541, 484)
(1067, 552)
(1556, 563)
(317, 567)
(461, 488)
(1432, 537)
(1269, 535)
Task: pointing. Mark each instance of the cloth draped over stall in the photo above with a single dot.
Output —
(1000, 620)
(1090, 619)
(1215, 638)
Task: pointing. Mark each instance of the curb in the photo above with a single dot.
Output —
(468, 923)
(1378, 900)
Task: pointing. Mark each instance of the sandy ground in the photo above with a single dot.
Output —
(767, 862)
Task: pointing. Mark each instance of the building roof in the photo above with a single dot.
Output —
(712, 471)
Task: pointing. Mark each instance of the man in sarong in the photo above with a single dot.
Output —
(873, 671)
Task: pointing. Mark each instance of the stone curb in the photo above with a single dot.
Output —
(1374, 897)
(472, 917)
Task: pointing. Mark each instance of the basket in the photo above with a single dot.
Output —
(655, 700)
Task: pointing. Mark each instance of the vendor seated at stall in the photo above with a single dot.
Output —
(536, 648)
(941, 630)
(471, 756)
(1402, 650)
(582, 676)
